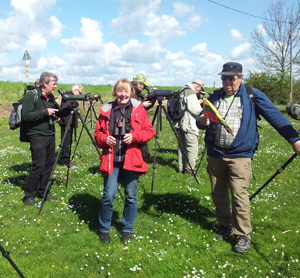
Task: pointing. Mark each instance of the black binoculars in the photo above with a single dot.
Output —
(120, 127)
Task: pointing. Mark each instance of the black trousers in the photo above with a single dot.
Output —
(65, 150)
(43, 156)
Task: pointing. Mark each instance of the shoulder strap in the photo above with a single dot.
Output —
(251, 95)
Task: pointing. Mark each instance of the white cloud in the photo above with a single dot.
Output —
(139, 17)
(240, 51)
(199, 50)
(181, 9)
(56, 27)
(184, 64)
(36, 43)
(28, 17)
(194, 22)
(211, 64)
(261, 30)
(236, 35)
(91, 40)
(133, 15)
(174, 56)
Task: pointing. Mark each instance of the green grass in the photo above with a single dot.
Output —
(174, 232)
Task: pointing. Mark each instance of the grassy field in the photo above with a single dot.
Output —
(174, 232)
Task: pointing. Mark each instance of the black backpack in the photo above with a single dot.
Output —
(15, 119)
(176, 106)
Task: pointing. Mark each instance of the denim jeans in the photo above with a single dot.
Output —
(130, 181)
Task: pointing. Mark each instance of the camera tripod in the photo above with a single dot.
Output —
(91, 111)
(5, 254)
(158, 116)
(74, 110)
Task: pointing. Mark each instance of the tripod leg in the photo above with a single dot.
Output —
(69, 161)
(87, 130)
(121, 193)
(5, 254)
(80, 134)
(203, 153)
(55, 163)
(155, 150)
(278, 171)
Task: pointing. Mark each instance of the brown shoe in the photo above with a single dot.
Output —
(190, 172)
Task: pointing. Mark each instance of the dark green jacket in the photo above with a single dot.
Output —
(35, 115)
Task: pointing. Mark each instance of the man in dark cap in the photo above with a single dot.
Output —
(229, 162)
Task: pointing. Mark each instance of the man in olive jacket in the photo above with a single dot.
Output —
(186, 127)
(39, 119)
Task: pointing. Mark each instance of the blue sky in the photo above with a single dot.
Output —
(98, 42)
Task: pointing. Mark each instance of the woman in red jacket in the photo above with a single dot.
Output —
(121, 126)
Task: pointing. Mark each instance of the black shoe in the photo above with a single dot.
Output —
(223, 233)
(126, 237)
(30, 202)
(48, 197)
(104, 237)
(242, 244)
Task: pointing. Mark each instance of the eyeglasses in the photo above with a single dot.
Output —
(119, 91)
(230, 78)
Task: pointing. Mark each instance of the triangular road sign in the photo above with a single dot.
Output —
(26, 56)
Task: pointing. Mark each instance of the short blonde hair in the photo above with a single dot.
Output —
(123, 84)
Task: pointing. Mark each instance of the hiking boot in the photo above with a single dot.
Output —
(104, 237)
(72, 164)
(242, 244)
(190, 172)
(30, 202)
(223, 233)
(126, 237)
(48, 197)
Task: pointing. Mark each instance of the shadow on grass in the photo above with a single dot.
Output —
(21, 179)
(185, 206)
(94, 169)
(86, 207)
(18, 181)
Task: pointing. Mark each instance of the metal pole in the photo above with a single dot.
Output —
(291, 64)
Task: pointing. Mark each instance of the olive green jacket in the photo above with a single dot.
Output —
(35, 115)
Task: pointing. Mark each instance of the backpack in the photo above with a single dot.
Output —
(15, 119)
(176, 106)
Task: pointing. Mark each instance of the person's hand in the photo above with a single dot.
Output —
(200, 100)
(51, 111)
(203, 120)
(147, 103)
(296, 147)
(111, 141)
(128, 138)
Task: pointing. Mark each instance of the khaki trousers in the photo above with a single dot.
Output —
(232, 174)
(190, 145)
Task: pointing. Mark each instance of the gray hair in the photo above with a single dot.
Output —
(37, 83)
(46, 78)
(239, 75)
(77, 87)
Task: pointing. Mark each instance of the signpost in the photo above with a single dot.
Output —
(26, 57)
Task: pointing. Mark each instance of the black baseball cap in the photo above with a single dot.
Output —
(231, 68)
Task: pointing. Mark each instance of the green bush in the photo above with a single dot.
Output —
(275, 86)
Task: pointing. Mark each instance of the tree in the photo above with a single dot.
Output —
(271, 44)
(275, 86)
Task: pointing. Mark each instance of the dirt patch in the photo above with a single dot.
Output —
(5, 109)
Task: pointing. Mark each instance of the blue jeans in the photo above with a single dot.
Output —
(130, 181)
